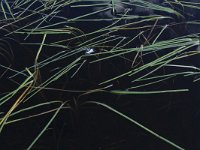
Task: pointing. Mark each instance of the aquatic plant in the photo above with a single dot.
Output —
(125, 53)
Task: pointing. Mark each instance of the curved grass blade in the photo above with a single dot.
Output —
(136, 123)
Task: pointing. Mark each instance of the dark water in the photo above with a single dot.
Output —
(175, 116)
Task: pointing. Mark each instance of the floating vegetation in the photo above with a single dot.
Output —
(57, 56)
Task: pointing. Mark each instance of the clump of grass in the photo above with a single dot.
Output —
(55, 32)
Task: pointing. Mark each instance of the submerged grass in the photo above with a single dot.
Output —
(65, 50)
